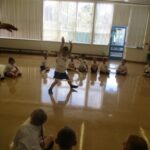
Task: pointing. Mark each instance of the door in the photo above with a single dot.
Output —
(117, 42)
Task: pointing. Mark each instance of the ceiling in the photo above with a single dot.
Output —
(142, 2)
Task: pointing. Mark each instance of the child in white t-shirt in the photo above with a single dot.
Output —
(83, 67)
(104, 68)
(2, 67)
(71, 65)
(94, 66)
(147, 70)
(122, 69)
(61, 66)
(44, 67)
(11, 70)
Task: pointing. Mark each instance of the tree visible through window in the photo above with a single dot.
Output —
(103, 23)
(74, 21)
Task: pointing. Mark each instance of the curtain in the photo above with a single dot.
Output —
(121, 15)
(138, 22)
(103, 23)
(26, 15)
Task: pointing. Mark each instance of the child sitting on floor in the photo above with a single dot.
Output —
(104, 68)
(44, 67)
(83, 67)
(11, 70)
(71, 65)
(94, 66)
(122, 69)
(147, 69)
(2, 67)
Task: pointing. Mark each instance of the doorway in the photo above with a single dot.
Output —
(117, 42)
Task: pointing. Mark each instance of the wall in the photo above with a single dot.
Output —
(132, 54)
(136, 55)
(53, 46)
(140, 55)
(121, 17)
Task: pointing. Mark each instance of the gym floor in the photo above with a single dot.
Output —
(103, 111)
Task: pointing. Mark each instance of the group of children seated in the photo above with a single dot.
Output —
(10, 70)
(104, 69)
(83, 67)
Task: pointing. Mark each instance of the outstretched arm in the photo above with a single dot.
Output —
(62, 45)
(8, 27)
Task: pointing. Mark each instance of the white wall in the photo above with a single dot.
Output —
(53, 46)
(132, 54)
(137, 55)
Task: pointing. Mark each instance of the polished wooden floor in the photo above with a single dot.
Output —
(103, 112)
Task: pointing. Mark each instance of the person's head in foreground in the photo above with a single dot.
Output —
(66, 138)
(38, 117)
(135, 142)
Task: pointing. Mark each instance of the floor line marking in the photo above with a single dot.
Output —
(82, 130)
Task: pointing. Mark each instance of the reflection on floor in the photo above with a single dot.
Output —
(103, 111)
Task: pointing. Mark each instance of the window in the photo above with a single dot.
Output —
(69, 19)
(103, 23)
(84, 23)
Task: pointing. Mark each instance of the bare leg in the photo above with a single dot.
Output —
(52, 86)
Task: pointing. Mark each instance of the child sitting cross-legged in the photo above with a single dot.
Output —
(104, 68)
(11, 70)
(122, 69)
(71, 65)
(44, 67)
(83, 67)
(94, 66)
(147, 70)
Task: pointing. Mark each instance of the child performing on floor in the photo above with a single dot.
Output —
(60, 71)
